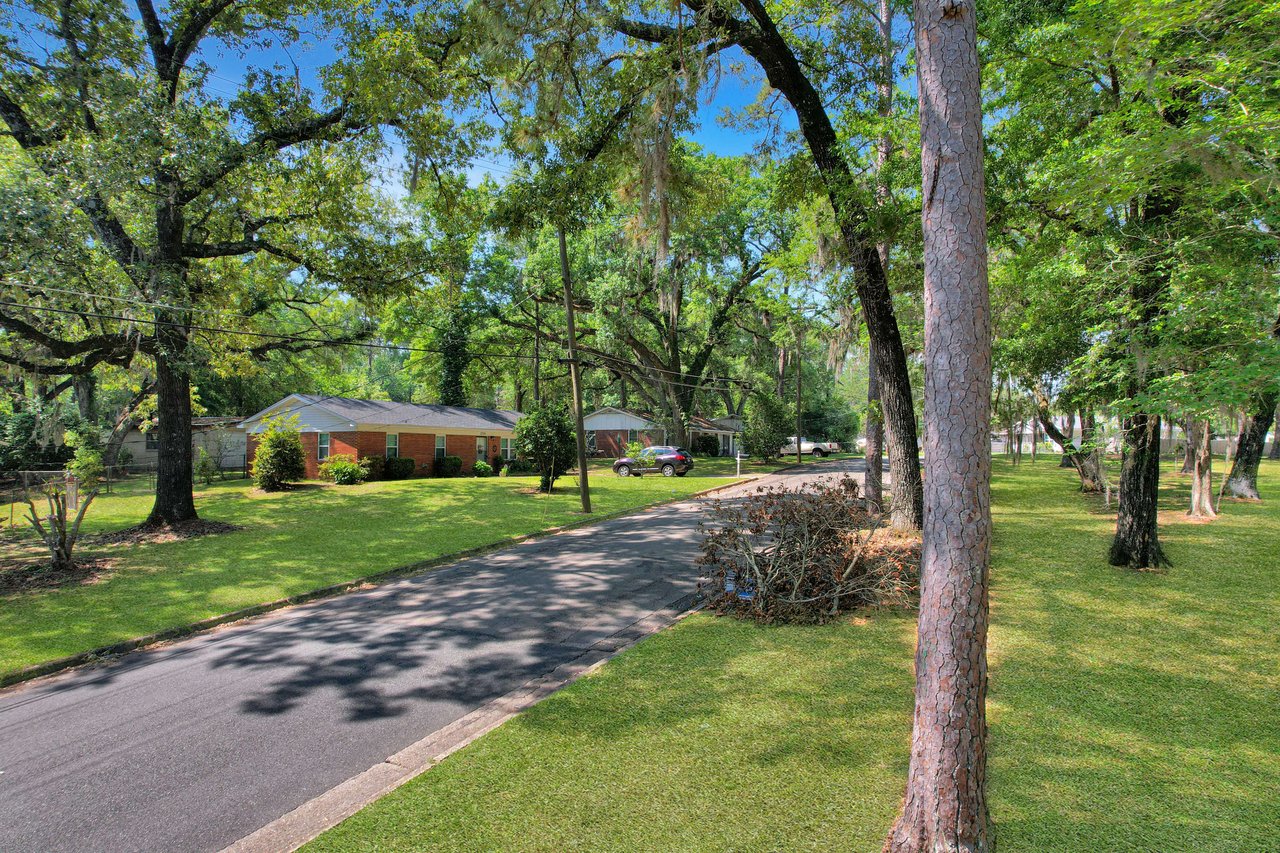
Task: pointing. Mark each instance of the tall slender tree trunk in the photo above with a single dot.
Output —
(1202, 476)
(873, 480)
(575, 378)
(945, 807)
(787, 75)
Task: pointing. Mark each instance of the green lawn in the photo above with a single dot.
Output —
(292, 543)
(1129, 712)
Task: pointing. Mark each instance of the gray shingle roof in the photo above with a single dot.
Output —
(413, 414)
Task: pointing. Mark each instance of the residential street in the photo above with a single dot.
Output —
(192, 746)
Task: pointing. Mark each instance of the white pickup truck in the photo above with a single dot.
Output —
(809, 446)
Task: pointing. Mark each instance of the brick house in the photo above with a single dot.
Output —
(426, 434)
(610, 430)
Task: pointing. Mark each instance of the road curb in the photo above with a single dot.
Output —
(106, 653)
(309, 820)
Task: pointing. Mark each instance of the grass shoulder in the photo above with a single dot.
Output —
(288, 543)
(1128, 711)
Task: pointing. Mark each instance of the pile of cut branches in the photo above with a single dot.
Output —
(803, 555)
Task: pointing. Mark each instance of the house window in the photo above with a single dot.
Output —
(482, 448)
(507, 452)
(152, 440)
(591, 441)
(631, 436)
(393, 445)
(322, 446)
(439, 447)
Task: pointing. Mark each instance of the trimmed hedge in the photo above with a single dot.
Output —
(398, 467)
(450, 466)
(375, 466)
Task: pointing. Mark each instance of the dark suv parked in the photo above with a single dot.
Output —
(659, 459)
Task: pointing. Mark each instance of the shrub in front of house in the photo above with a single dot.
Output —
(398, 467)
(498, 463)
(280, 459)
(545, 437)
(482, 469)
(449, 466)
(706, 445)
(344, 470)
(375, 466)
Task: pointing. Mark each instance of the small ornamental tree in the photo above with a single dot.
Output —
(767, 426)
(59, 529)
(544, 436)
(279, 459)
(205, 469)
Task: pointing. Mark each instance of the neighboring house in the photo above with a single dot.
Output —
(425, 434)
(219, 437)
(610, 430)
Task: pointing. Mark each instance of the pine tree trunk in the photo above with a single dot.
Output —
(174, 499)
(945, 806)
(1137, 542)
(873, 480)
(1202, 475)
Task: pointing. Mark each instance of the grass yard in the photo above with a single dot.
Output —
(1129, 712)
(292, 543)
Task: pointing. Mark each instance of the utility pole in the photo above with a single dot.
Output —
(537, 350)
(574, 377)
(799, 386)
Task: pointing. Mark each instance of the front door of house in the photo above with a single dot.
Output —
(482, 448)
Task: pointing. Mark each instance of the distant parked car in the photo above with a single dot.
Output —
(659, 459)
(810, 446)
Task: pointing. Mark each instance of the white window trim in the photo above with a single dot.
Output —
(441, 446)
(390, 436)
(324, 446)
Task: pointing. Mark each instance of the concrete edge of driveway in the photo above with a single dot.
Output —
(105, 654)
(309, 820)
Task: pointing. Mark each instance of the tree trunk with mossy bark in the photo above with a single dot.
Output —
(945, 806)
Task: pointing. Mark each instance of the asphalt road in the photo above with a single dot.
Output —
(192, 746)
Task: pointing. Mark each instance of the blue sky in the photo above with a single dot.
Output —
(314, 52)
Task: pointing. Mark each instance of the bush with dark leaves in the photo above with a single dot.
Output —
(803, 555)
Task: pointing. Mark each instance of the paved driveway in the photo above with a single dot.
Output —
(195, 745)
